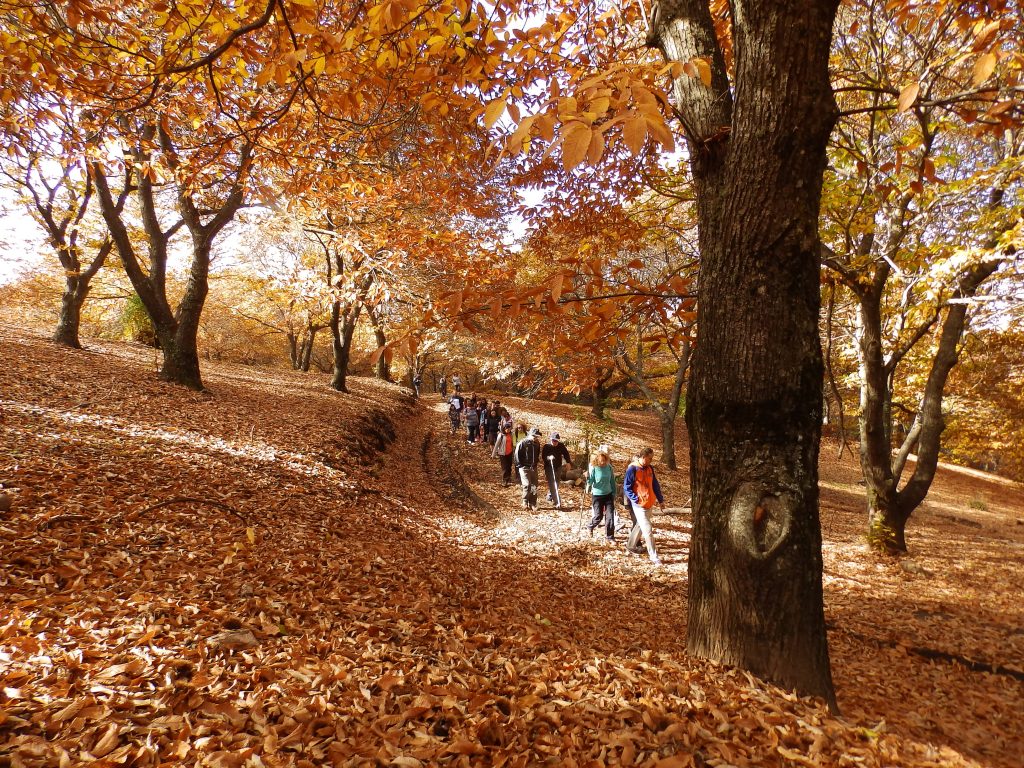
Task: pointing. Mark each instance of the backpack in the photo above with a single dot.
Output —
(521, 453)
(644, 490)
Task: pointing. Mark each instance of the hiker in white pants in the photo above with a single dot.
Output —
(643, 491)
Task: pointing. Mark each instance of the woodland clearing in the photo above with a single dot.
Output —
(274, 573)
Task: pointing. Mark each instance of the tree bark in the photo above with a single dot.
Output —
(307, 348)
(69, 320)
(294, 355)
(77, 283)
(754, 400)
(343, 327)
(383, 368)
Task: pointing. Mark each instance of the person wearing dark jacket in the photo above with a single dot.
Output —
(472, 423)
(527, 455)
(552, 455)
(492, 423)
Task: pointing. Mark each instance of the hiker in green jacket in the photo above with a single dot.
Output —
(601, 486)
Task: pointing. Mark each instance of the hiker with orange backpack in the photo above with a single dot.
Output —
(642, 492)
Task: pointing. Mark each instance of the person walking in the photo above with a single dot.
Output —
(601, 486)
(442, 387)
(417, 382)
(455, 412)
(456, 383)
(472, 423)
(642, 491)
(492, 425)
(552, 455)
(527, 454)
(503, 447)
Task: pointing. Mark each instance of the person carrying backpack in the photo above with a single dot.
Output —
(642, 491)
(527, 455)
(504, 445)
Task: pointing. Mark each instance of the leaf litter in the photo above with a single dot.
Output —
(242, 578)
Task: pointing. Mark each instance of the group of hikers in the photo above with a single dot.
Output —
(519, 448)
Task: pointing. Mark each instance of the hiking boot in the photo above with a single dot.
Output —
(590, 531)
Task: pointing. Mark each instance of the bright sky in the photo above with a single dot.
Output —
(22, 244)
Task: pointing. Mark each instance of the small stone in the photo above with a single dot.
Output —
(234, 640)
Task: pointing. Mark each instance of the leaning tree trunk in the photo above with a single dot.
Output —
(754, 400)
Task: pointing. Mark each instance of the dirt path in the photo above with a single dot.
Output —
(930, 647)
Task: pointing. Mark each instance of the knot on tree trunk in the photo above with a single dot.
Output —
(760, 520)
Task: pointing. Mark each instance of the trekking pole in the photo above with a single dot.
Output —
(553, 484)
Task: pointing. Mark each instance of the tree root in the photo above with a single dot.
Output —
(57, 519)
(182, 500)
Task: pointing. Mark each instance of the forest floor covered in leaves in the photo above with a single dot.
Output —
(272, 573)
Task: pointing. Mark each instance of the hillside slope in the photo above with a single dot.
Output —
(272, 573)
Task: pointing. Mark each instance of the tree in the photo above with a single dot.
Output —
(757, 127)
(204, 214)
(922, 210)
(58, 191)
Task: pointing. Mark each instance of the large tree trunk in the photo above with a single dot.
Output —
(180, 363)
(754, 401)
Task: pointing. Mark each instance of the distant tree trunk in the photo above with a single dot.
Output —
(667, 411)
(71, 312)
(383, 369)
(77, 283)
(343, 327)
(307, 349)
(754, 402)
(64, 226)
(602, 388)
(294, 355)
